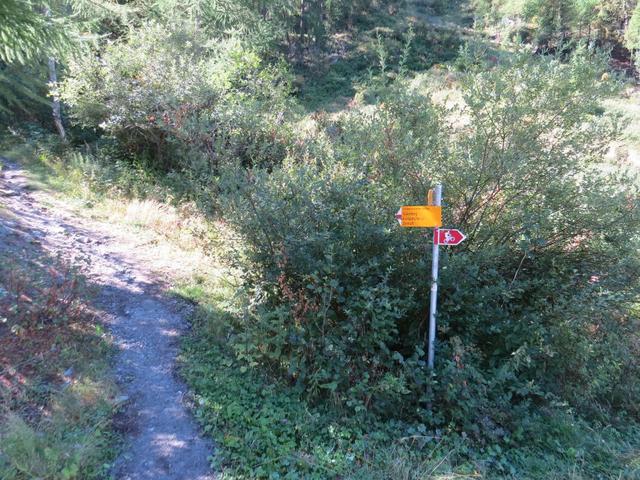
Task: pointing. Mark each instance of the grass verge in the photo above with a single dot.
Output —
(57, 397)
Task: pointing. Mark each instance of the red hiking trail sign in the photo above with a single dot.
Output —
(448, 236)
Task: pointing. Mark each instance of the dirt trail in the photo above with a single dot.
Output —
(163, 440)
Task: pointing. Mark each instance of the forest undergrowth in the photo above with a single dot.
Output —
(283, 143)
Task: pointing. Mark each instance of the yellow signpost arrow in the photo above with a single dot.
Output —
(428, 216)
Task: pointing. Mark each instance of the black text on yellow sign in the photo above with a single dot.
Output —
(424, 216)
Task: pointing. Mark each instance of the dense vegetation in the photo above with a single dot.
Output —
(302, 126)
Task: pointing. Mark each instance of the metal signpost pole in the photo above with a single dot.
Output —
(434, 285)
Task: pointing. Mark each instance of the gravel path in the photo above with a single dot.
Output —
(163, 440)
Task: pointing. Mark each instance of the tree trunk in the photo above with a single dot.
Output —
(302, 29)
(57, 117)
(53, 81)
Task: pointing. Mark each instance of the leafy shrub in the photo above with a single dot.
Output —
(528, 312)
(326, 271)
(173, 93)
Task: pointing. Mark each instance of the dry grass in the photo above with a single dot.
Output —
(175, 242)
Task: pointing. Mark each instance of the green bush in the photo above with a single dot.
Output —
(535, 306)
(175, 94)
